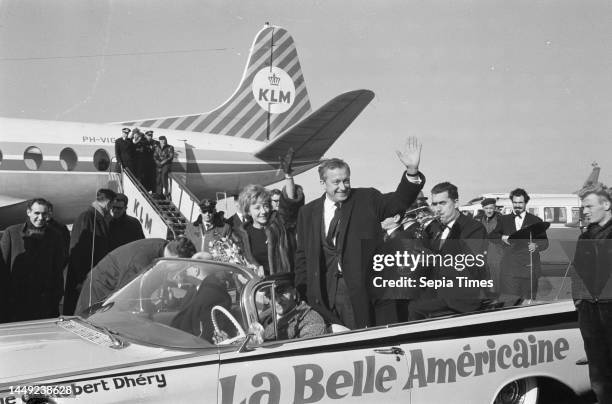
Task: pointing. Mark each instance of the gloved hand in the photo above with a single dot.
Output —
(285, 162)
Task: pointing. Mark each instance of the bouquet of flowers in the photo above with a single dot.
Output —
(224, 249)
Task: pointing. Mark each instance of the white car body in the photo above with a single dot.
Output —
(432, 361)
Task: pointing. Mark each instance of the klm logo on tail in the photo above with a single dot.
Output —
(273, 90)
(270, 98)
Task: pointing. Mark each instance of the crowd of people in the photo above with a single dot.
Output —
(149, 160)
(319, 253)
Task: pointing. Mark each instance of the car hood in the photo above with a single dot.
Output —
(50, 348)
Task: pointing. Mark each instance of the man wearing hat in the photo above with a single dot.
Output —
(164, 154)
(294, 318)
(124, 153)
(207, 228)
(489, 218)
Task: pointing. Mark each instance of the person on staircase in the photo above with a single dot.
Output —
(164, 154)
(140, 156)
(150, 166)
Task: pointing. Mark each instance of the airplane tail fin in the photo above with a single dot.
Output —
(270, 98)
(593, 177)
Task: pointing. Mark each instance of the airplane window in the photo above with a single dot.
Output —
(33, 158)
(101, 160)
(68, 159)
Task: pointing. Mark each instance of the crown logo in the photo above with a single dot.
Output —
(274, 79)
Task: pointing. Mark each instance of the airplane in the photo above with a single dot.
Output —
(236, 144)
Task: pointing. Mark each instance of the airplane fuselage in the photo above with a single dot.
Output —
(66, 162)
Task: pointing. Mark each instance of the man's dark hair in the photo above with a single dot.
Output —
(275, 191)
(121, 198)
(40, 201)
(331, 164)
(105, 194)
(182, 246)
(519, 192)
(453, 193)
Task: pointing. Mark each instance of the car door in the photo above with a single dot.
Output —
(356, 366)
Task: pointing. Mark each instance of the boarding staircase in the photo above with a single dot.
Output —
(159, 217)
(173, 217)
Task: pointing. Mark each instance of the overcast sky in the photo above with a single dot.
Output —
(502, 93)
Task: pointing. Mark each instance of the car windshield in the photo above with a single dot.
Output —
(170, 304)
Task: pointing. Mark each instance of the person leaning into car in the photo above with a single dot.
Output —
(330, 269)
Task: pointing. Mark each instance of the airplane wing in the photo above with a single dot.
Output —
(313, 136)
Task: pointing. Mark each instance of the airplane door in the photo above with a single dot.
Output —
(179, 164)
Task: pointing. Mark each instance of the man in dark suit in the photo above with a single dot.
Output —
(330, 263)
(124, 152)
(401, 233)
(456, 236)
(236, 220)
(31, 261)
(517, 276)
(122, 228)
(89, 243)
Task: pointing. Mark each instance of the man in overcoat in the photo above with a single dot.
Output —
(331, 270)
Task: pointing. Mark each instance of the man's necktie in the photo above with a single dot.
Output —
(333, 225)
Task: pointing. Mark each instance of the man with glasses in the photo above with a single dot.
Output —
(294, 318)
(123, 229)
(275, 198)
(208, 227)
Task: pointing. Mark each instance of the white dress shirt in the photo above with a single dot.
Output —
(329, 208)
(518, 220)
(446, 231)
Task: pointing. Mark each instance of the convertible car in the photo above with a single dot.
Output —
(154, 342)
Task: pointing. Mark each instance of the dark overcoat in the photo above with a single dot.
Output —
(32, 274)
(90, 232)
(359, 221)
(515, 260)
(118, 268)
(467, 237)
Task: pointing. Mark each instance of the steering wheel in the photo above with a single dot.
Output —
(241, 334)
